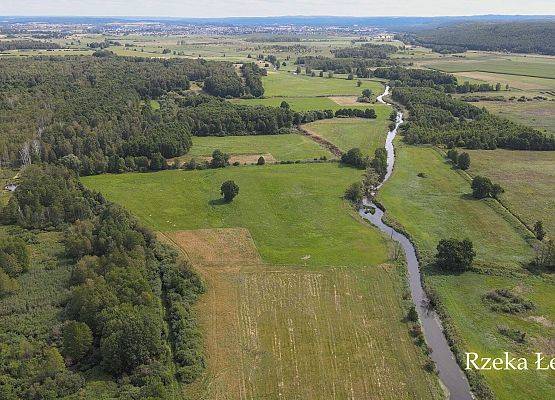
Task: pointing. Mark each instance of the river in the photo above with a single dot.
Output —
(450, 374)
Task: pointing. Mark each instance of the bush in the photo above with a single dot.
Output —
(261, 161)
(482, 187)
(219, 159)
(455, 255)
(14, 256)
(463, 161)
(355, 193)
(76, 340)
(354, 158)
(503, 300)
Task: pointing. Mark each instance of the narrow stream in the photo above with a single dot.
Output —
(450, 373)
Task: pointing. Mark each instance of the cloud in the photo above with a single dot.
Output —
(226, 8)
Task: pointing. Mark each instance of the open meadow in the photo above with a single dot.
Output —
(347, 133)
(287, 147)
(438, 205)
(528, 178)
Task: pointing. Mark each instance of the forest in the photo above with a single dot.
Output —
(515, 37)
(26, 44)
(437, 118)
(128, 308)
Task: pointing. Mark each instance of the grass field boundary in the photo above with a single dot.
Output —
(336, 151)
(501, 208)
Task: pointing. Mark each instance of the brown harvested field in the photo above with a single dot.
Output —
(218, 245)
(275, 332)
(345, 100)
(292, 333)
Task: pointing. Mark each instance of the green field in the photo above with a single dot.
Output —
(438, 206)
(347, 133)
(311, 103)
(541, 67)
(284, 84)
(282, 147)
(292, 211)
(528, 179)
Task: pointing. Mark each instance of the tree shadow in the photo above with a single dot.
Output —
(217, 202)
(468, 196)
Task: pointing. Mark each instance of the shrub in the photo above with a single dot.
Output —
(503, 300)
(463, 161)
(76, 340)
(261, 161)
(355, 193)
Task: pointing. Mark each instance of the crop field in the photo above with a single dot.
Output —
(281, 147)
(347, 133)
(284, 84)
(295, 213)
(293, 333)
(519, 82)
(440, 205)
(541, 67)
(528, 179)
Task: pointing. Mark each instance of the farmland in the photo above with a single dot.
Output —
(347, 133)
(526, 176)
(281, 147)
(284, 84)
(437, 205)
(291, 210)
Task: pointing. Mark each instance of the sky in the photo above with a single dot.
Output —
(233, 8)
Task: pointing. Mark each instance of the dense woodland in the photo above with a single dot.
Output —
(344, 65)
(435, 117)
(53, 107)
(128, 309)
(366, 50)
(26, 44)
(516, 37)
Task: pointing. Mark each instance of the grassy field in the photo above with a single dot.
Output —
(541, 67)
(313, 103)
(292, 211)
(519, 82)
(528, 179)
(281, 147)
(438, 206)
(283, 84)
(347, 133)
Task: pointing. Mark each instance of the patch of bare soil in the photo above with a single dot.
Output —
(345, 100)
(251, 158)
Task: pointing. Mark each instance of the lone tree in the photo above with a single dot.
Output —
(482, 187)
(355, 193)
(355, 158)
(455, 255)
(463, 161)
(229, 190)
(284, 105)
(261, 161)
(453, 155)
(538, 230)
(367, 93)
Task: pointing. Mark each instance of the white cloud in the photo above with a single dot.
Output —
(226, 8)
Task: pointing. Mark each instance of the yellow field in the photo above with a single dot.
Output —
(274, 332)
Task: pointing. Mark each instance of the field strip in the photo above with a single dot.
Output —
(336, 151)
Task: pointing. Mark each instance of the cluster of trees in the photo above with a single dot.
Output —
(462, 160)
(356, 158)
(253, 79)
(129, 306)
(229, 190)
(26, 44)
(437, 118)
(516, 37)
(366, 50)
(369, 113)
(359, 67)
(14, 261)
(483, 187)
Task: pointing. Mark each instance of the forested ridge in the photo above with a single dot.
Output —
(128, 311)
(516, 37)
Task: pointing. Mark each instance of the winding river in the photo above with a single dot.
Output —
(449, 371)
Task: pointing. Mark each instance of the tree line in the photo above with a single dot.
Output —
(128, 312)
(26, 44)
